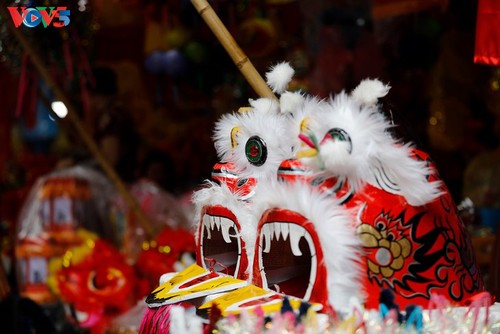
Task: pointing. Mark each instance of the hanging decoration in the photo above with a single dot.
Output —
(37, 126)
(487, 46)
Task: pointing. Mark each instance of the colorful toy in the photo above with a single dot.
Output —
(316, 200)
(95, 283)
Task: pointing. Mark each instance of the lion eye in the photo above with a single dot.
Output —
(390, 237)
(256, 151)
(340, 135)
(241, 182)
(380, 226)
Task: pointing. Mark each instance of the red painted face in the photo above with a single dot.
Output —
(293, 170)
(416, 251)
(225, 173)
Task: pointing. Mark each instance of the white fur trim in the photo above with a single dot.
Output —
(270, 127)
(289, 102)
(264, 104)
(306, 112)
(222, 135)
(376, 157)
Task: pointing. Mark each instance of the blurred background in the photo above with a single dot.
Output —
(148, 79)
(153, 73)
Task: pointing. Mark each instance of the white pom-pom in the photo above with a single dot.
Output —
(369, 91)
(279, 77)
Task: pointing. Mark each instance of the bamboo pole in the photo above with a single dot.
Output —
(237, 55)
(77, 123)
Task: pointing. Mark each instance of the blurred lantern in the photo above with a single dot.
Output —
(174, 63)
(176, 38)
(58, 206)
(446, 125)
(258, 37)
(171, 62)
(46, 230)
(162, 209)
(154, 62)
(40, 136)
(195, 52)
(153, 37)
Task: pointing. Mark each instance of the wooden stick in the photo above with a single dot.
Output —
(237, 55)
(75, 120)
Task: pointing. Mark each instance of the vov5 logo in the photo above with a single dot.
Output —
(31, 17)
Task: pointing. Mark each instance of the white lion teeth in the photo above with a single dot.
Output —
(226, 224)
(222, 224)
(266, 233)
(284, 231)
(275, 231)
(296, 232)
(206, 226)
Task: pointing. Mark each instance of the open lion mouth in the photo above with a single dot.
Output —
(220, 242)
(287, 258)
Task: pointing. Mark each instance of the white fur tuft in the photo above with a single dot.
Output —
(289, 102)
(222, 135)
(279, 77)
(264, 105)
(369, 91)
(373, 155)
(262, 122)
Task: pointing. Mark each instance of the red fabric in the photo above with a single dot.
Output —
(487, 49)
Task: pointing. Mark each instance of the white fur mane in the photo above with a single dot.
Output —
(376, 157)
(270, 126)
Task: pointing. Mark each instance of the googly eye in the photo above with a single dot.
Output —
(256, 151)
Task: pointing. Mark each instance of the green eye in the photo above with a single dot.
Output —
(340, 135)
(256, 151)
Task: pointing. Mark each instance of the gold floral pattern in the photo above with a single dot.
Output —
(387, 248)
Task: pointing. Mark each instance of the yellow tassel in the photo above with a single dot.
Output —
(309, 153)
